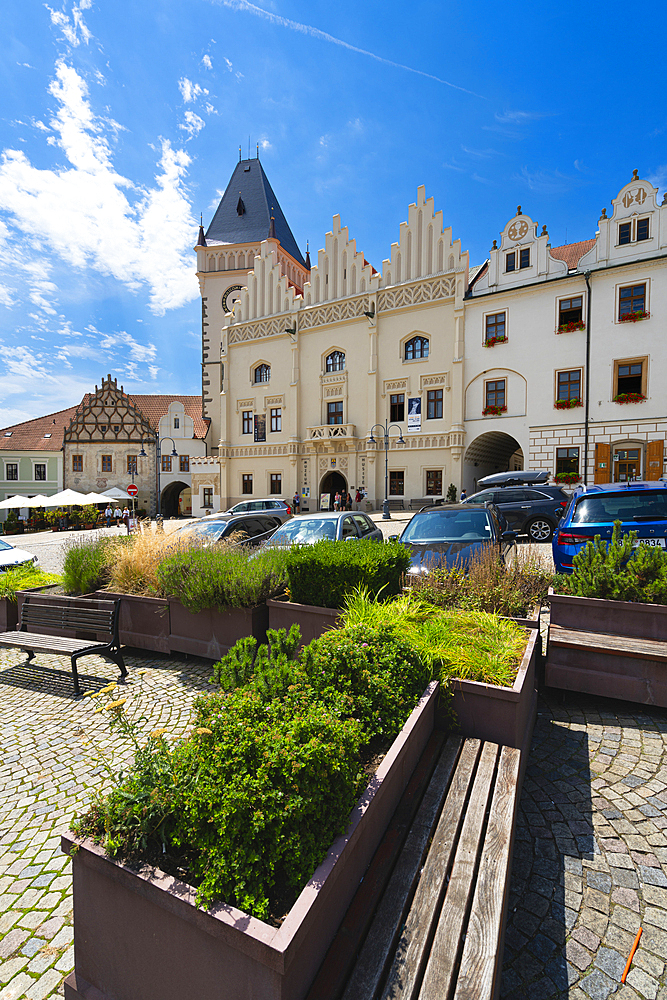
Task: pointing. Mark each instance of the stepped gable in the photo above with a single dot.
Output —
(246, 209)
(424, 247)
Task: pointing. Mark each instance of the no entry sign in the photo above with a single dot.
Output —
(132, 490)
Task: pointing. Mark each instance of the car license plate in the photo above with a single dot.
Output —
(657, 543)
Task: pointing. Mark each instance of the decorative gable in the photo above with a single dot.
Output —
(637, 228)
(423, 247)
(108, 414)
(521, 257)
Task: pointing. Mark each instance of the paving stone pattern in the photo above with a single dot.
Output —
(54, 751)
(590, 855)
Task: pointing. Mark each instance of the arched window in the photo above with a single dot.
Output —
(336, 362)
(262, 373)
(416, 348)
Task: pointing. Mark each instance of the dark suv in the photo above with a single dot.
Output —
(528, 505)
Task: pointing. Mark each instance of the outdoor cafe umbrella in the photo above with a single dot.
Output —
(115, 493)
(97, 498)
(64, 499)
(17, 501)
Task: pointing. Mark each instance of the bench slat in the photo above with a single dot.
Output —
(614, 645)
(415, 940)
(383, 934)
(441, 965)
(45, 643)
(483, 937)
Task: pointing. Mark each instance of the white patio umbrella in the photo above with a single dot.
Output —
(116, 494)
(97, 498)
(12, 502)
(37, 501)
(64, 499)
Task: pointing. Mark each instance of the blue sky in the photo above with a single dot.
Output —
(121, 122)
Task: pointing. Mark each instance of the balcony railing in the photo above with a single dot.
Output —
(326, 431)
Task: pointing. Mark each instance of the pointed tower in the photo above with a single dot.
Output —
(248, 215)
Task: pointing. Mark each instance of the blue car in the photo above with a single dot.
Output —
(641, 507)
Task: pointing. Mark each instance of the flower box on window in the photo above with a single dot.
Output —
(492, 341)
(629, 397)
(567, 404)
(567, 477)
(493, 411)
(633, 317)
(571, 327)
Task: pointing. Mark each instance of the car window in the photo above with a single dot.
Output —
(5, 545)
(448, 526)
(268, 523)
(485, 497)
(649, 505)
(304, 531)
(349, 528)
(363, 524)
(239, 508)
(509, 496)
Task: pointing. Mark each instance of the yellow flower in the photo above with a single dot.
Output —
(96, 695)
(158, 732)
(100, 708)
(202, 730)
(115, 704)
(140, 673)
(109, 688)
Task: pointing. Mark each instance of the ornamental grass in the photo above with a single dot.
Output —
(24, 578)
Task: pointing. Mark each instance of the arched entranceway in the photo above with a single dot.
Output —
(169, 501)
(489, 453)
(332, 483)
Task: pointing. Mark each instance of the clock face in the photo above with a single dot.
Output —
(232, 295)
(518, 230)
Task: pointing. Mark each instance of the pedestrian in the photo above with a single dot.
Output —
(337, 500)
(464, 495)
(108, 513)
(348, 501)
(358, 497)
(117, 515)
(126, 518)
(296, 502)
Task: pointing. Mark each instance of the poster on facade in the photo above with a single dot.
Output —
(324, 501)
(260, 427)
(414, 414)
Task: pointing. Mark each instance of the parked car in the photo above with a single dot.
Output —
(528, 505)
(306, 529)
(253, 529)
(277, 507)
(11, 557)
(641, 507)
(450, 534)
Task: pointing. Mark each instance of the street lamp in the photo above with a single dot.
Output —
(385, 428)
(158, 446)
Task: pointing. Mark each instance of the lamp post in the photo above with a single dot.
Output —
(385, 428)
(158, 447)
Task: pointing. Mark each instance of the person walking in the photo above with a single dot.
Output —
(126, 518)
(337, 500)
(464, 496)
(108, 513)
(117, 515)
(358, 498)
(296, 502)
(348, 501)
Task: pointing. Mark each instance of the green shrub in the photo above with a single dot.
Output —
(86, 565)
(617, 571)
(202, 578)
(487, 584)
(269, 669)
(249, 803)
(451, 493)
(24, 577)
(322, 574)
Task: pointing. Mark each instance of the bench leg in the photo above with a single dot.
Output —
(77, 689)
(120, 662)
(31, 654)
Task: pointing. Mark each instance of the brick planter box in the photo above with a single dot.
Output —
(212, 633)
(140, 934)
(312, 621)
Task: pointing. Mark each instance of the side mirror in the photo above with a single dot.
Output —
(392, 538)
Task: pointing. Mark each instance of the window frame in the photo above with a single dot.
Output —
(35, 467)
(334, 362)
(620, 289)
(275, 479)
(247, 423)
(562, 371)
(434, 474)
(435, 400)
(560, 321)
(106, 463)
(490, 321)
(165, 463)
(261, 374)
(631, 361)
(396, 406)
(411, 346)
(524, 258)
(77, 463)
(276, 414)
(8, 466)
(633, 225)
(132, 462)
(207, 497)
(334, 409)
(494, 382)
(567, 458)
(510, 261)
(183, 463)
(396, 479)
(246, 480)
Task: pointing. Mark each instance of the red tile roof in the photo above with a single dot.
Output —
(29, 436)
(154, 407)
(572, 253)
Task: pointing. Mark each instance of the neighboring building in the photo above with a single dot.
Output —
(31, 460)
(542, 310)
(114, 439)
(307, 363)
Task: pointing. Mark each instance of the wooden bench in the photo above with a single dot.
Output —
(428, 919)
(395, 503)
(71, 625)
(418, 502)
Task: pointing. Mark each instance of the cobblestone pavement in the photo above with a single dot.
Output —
(53, 752)
(590, 855)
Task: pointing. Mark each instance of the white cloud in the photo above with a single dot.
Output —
(265, 144)
(658, 177)
(546, 181)
(90, 215)
(138, 352)
(190, 91)
(209, 109)
(228, 63)
(519, 117)
(193, 124)
(206, 62)
(72, 25)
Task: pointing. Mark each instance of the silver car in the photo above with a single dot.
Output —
(271, 505)
(306, 529)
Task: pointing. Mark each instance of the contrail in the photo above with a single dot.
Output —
(308, 29)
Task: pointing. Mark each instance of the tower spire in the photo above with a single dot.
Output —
(308, 255)
(201, 239)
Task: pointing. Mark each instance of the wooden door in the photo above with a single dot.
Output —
(602, 463)
(654, 459)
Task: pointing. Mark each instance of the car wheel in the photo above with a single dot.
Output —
(539, 530)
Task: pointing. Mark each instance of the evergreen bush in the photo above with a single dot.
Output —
(451, 493)
(322, 574)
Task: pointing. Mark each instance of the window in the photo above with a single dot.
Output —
(335, 413)
(40, 472)
(524, 257)
(183, 463)
(276, 483)
(434, 404)
(262, 373)
(77, 463)
(246, 483)
(116, 428)
(495, 393)
(12, 470)
(276, 419)
(510, 261)
(396, 484)
(166, 463)
(247, 422)
(570, 310)
(568, 385)
(177, 423)
(631, 299)
(624, 233)
(208, 496)
(132, 465)
(629, 377)
(494, 328)
(336, 362)
(434, 483)
(567, 460)
(416, 348)
(642, 229)
(397, 407)
(107, 463)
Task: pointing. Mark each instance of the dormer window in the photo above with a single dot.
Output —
(626, 234)
(262, 373)
(176, 423)
(524, 257)
(510, 261)
(642, 229)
